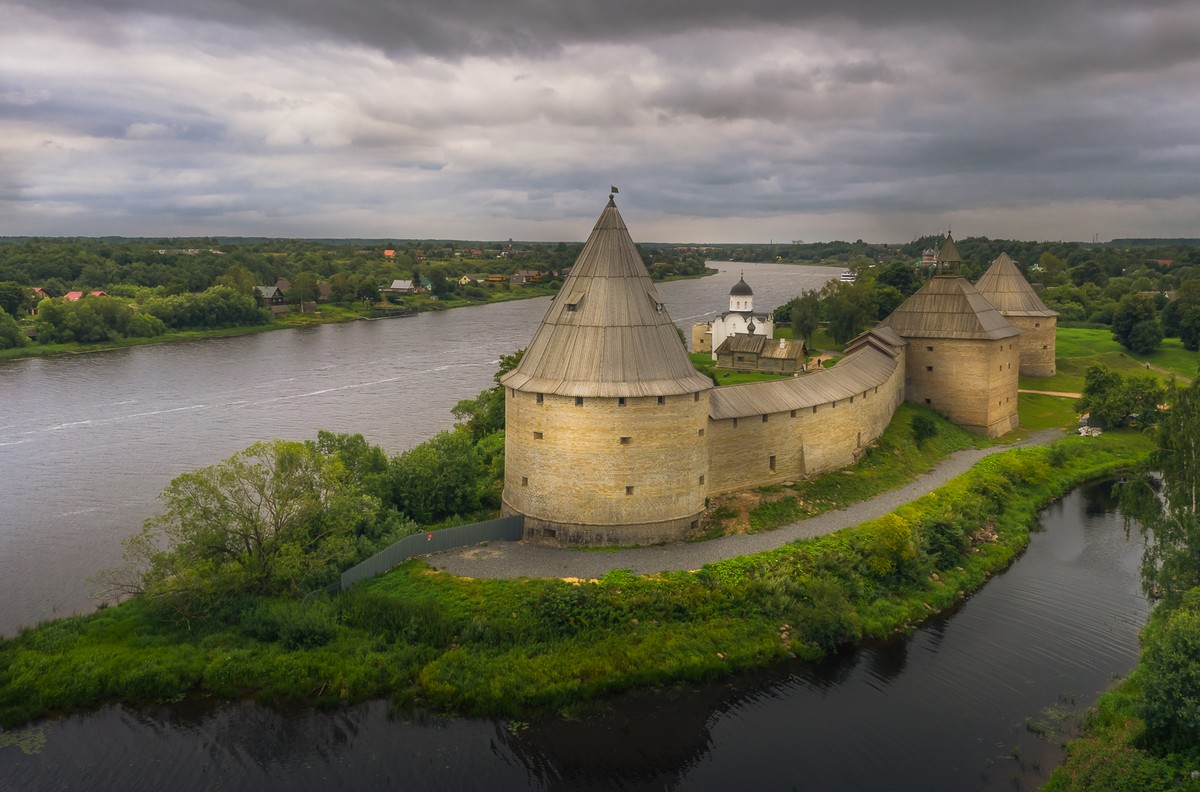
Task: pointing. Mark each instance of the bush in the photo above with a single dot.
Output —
(1171, 707)
(923, 428)
(294, 625)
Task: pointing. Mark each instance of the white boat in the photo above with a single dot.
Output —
(848, 276)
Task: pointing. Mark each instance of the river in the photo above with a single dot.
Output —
(977, 699)
(87, 442)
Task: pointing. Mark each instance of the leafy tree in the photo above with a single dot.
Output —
(1171, 681)
(485, 413)
(900, 275)
(1170, 519)
(847, 308)
(438, 478)
(239, 279)
(1135, 323)
(1189, 329)
(806, 315)
(274, 518)
(304, 288)
(14, 298)
(11, 334)
(1115, 401)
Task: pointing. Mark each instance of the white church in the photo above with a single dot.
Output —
(740, 319)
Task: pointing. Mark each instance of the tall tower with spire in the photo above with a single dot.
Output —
(605, 414)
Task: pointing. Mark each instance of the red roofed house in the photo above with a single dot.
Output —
(72, 296)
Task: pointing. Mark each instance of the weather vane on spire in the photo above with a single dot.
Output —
(612, 191)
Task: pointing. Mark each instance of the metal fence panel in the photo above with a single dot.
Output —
(505, 528)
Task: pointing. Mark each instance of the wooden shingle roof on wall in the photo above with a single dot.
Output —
(949, 307)
(607, 333)
(1005, 287)
(863, 370)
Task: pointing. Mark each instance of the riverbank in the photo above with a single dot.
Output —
(326, 313)
(505, 646)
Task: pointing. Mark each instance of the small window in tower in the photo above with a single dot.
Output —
(929, 401)
(662, 399)
(620, 401)
(537, 435)
(629, 490)
(852, 400)
(524, 481)
(700, 433)
(625, 441)
(696, 396)
(928, 349)
(735, 423)
(541, 397)
(578, 401)
(814, 409)
(772, 463)
(1037, 324)
(860, 439)
(793, 413)
(764, 418)
(702, 479)
(1010, 366)
(929, 368)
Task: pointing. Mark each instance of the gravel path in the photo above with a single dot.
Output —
(517, 559)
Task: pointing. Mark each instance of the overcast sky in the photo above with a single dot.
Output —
(489, 119)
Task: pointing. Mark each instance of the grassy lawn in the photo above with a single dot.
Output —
(1079, 348)
(707, 366)
(1040, 412)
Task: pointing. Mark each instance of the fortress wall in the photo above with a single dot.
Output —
(1037, 344)
(702, 337)
(971, 382)
(803, 444)
(572, 482)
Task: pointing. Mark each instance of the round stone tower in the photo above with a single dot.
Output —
(605, 414)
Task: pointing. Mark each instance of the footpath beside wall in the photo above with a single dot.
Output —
(505, 528)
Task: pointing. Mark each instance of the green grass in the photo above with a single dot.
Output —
(704, 363)
(1078, 348)
(503, 647)
(1039, 412)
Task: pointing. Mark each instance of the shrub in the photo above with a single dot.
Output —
(923, 428)
(1171, 707)
(294, 625)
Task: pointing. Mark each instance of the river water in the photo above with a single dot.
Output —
(87, 442)
(949, 708)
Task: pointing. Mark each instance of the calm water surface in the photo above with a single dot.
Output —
(88, 442)
(944, 709)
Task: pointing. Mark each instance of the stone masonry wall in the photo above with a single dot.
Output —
(802, 442)
(973, 383)
(1037, 344)
(603, 472)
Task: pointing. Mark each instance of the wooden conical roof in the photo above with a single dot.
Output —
(949, 252)
(607, 332)
(949, 307)
(1005, 287)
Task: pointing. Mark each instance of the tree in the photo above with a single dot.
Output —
(11, 334)
(485, 413)
(274, 518)
(1170, 518)
(439, 478)
(900, 275)
(1115, 401)
(1135, 324)
(806, 316)
(847, 308)
(239, 279)
(14, 298)
(1189, 329)
(304, 288)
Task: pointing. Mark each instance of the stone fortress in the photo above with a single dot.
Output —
(613, 438)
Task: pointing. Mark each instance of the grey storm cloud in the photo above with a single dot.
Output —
(477, 118)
